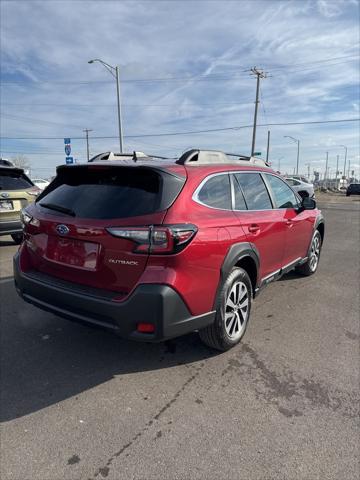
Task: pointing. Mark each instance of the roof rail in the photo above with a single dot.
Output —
(134, 156)
(203, 157)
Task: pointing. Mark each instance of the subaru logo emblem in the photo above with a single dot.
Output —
(62, 229)
(5, 195)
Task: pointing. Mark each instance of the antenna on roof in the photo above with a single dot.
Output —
(134, 156)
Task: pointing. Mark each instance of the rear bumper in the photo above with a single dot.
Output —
(151, 303)
(10, 226)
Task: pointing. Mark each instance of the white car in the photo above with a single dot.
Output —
(304, 189)
(40, 183)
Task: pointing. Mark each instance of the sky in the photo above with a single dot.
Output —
(185, 66)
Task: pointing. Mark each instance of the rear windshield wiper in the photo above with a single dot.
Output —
(58, 208)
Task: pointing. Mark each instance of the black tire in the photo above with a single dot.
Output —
(17, 238)
(216, 335)
(309, 268)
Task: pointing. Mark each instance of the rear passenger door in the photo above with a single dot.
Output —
(263, 225)
(298, 226)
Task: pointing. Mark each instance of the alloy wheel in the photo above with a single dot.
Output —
(314, 253)
(236, 310)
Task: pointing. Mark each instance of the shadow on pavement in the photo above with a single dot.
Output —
(291, 276)
(45, 359)
(7, 243)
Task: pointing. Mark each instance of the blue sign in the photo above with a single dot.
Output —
(67, 141)
(67, 149)
(69, 160)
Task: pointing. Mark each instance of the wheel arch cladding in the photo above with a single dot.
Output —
(249, 265)
(244, 255)
(321, 227)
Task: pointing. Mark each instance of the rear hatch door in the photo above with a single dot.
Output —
(76, 214)
(16, 191)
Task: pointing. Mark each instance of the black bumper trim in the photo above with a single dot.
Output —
(158, 304)
(9, 227)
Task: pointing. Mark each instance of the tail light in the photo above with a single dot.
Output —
(27, 219)
(167, 239)
(34, 191)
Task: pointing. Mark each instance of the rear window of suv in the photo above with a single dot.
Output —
(216, 192)
(104, 193)
(14, 181)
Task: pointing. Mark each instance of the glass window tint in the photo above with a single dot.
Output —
(239, 197)
(284, 196)
(14, 181)
(216, 192)
(256, 194)
(105, 194)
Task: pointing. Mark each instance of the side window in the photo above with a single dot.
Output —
(256, 194)
(284, 196)
(216, 192)
(239, 197)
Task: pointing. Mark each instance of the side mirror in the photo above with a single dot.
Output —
(303, 194)
(308, 203)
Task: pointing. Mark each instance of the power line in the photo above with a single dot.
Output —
(285, 66)
(171, 105)
(190, 132)
(37, 120)
(210, 76)
(263, 105)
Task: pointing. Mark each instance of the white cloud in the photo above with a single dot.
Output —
(53, 41)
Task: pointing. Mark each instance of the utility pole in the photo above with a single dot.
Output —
(87, 130)
(326, 167)
(268, 147)
(259, 74)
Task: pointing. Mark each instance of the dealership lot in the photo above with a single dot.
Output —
(80, 403)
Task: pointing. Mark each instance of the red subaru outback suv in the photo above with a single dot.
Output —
(155, 249)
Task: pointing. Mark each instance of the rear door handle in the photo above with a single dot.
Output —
(253, 228)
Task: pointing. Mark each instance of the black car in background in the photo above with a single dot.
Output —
(353, 189)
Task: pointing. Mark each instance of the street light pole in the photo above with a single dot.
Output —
(344, 146)
(298, 151)
(326, 169)
(297, 157)
(119, 108)
(337, 170)
(115, 73)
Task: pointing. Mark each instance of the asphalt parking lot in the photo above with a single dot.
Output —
(80, 403)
